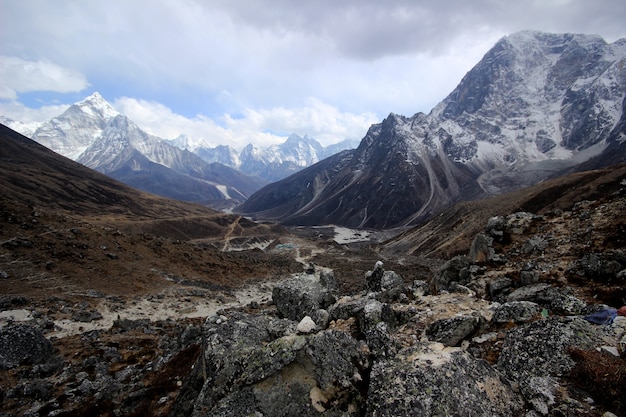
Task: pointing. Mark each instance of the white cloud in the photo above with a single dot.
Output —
(18, 112)
(260, 126)
(320, 63)
(21, 76)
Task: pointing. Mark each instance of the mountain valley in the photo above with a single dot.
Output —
(466, 262)
(94, 134)
(108, 294)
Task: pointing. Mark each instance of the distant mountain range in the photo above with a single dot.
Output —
(270, 163)
(93, 133)
(96, 135)
(536, 105)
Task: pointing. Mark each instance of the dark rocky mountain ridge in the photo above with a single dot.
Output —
(536, 104)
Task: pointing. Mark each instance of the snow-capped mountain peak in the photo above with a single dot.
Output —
(96, 106)
(73, 131)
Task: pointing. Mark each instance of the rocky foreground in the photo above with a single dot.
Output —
(501, 331)
(398, 350)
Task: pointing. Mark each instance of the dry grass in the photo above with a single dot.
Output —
(603, 376)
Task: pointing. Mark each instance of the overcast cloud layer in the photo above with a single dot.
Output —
(240, 71)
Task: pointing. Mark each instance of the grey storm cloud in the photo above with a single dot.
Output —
(370, 29)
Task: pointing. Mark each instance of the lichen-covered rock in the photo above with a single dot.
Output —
(515, 311)
(481, 249)
(390, 280)
(245, 371)
(370, 315)
(452, 331)
(518, 223)
(432, 380)
(347, 307)
(535, 354)
(604, 266)
(540, 348)
(23, 344)
(301, 296)
(456, 269)
(556, 299)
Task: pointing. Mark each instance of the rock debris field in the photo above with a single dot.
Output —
(502, 329)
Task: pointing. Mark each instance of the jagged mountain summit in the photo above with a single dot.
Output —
(535, 105)
(279, 161)
(271, 163)
(222, 154)
(93, 133)
(73, 131)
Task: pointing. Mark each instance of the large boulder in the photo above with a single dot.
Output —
(373, 278)
(249, 369)
(380, 280)
(535, 355)
(481, 249)
(516, 312)
(604, 266)
(452, 331)
(558, 300)
(22, 344)
(432, 380)
(454, 270)
(374, 320)
(302, 296)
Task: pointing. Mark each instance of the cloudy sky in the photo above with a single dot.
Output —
(240, 71)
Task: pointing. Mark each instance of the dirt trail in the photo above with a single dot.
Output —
(229, 232)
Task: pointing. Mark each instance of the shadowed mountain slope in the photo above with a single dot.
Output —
(451, 232)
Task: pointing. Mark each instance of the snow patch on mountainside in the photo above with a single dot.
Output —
(224, 190)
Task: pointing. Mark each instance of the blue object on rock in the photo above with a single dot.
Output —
(605, 316)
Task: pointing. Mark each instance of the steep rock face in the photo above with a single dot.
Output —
(535, 105)
(535, 102)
